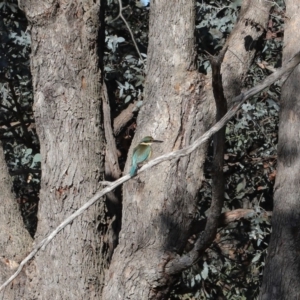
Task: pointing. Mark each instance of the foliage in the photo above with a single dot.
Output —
(214, 22)
(16, 121)
(124, 70)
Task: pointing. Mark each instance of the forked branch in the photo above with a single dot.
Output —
(120, 15)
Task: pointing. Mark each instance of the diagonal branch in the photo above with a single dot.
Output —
(185, 261)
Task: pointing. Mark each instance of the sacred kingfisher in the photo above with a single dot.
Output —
(141, 153)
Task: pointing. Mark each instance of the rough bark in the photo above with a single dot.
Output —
(242, 45)
(282, 271)
(67, 109)
(159, 205)
(156, 219)
(15, 241)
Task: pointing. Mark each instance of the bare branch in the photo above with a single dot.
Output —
(177, 265)
(218, 180)
(229, 217)
(124, 117)
(237, 214)
(120, 15)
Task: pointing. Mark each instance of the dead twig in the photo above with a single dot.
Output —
(120, 15)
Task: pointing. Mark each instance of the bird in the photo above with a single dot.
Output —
(141, 153)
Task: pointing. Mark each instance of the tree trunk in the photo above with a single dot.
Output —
(159, 205)
(282, 271)
(242, 45)
(15, 241)
(67, 110)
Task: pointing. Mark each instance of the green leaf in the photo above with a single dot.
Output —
(241, 186)
(204, 272)
(127, 99)
(256, 257)
(37, 158)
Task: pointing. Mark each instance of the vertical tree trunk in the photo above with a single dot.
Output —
(282, 271)
(159, 205)
(15, 241)
(67, 109)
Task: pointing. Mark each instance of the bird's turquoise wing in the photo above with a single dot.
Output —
(140, 154)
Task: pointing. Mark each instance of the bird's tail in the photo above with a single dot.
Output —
(133, 170)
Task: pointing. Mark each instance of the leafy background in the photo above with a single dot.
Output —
(232, 267)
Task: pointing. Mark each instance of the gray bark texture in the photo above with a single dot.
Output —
(67, 109)
(242, 45)
(159, 205)
(282, 270)
(15, 241)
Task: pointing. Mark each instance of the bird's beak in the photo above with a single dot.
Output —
(157, 141)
